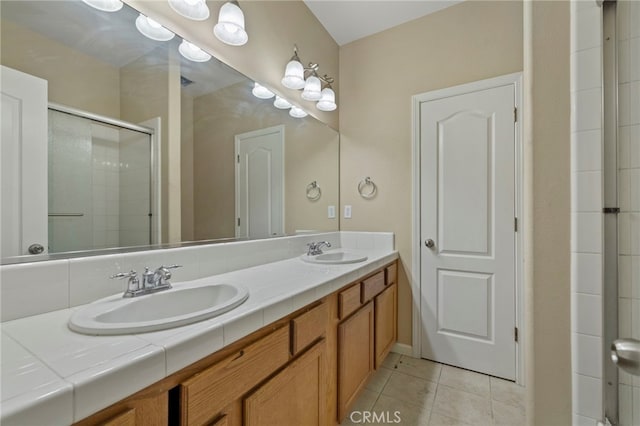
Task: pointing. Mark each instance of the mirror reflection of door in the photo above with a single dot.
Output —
(260, 183)
(24, 162)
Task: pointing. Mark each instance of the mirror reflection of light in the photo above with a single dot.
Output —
(105, 5)
(259, 91)
(191, 9)
(193, 52)
(297, 112)
(281, 103)
(153, 30)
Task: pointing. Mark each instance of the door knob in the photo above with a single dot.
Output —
(625, 353)
(429, 243)
(36, 248)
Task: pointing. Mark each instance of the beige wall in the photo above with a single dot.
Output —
(547, 207)
(379, 74)
(148, 86)
(186, 167)
(311, 153)
(75, 79)
(273, 28)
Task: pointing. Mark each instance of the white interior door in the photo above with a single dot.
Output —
(468, 277)
(24, 162)
(260, 183)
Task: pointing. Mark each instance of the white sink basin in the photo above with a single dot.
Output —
(335, 257)
(158, 311)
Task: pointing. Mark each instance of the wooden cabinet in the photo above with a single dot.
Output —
(204, 396)
(295, 396)
(385, 309)
(355, 356)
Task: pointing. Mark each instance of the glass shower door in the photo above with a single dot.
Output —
(99, 184)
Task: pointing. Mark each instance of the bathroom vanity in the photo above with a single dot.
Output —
(306, 368)
(298, 351)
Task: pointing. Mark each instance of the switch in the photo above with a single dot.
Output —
(347, 212)
(331, 212)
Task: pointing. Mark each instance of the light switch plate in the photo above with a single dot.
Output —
(331, 212)
(347, 212)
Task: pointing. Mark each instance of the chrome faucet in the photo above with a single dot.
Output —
(152, 282)
(316, 248)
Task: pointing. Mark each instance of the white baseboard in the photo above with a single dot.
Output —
(402, 349)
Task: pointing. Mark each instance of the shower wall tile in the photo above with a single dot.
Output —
(587, 196)
(586, 232)
(586, 108)
(588, 73)
(587, 151)
(587, 273)
(587, 396)
(587, 314)
(587, 358)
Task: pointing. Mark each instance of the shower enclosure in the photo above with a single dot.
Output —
(621, 78)
(99, 182)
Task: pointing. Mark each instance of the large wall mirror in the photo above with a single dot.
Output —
(126, 143)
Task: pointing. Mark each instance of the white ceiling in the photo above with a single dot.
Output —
(349, 20)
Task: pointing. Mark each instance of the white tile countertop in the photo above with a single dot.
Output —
(52, 375)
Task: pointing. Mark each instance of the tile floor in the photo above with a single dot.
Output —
(427, 393)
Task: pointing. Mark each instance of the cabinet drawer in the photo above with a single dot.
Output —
(207, 393)
(349, 300)
(308, 327)
(372, 286)
(392, 273)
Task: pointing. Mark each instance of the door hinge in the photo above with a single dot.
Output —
(515, 334)
(515, 224)
(238, 221)
(515, 114)
(238, 158)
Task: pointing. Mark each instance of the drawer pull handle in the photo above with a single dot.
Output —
(240, 354)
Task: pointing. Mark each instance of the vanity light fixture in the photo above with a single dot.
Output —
(261, 92)
(191, 9)
(230, 27)
(328, 100)
(193, 52)
(294, 78)
(153, 30)
(294, 72)
(281, 103)
(105, 5)
(296, 112)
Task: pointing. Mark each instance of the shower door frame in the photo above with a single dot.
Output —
(610, 199)
(153, 130)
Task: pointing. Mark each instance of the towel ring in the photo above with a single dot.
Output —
(313, 191)
(367, 188)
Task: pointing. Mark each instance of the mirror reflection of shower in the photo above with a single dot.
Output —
(100, 182)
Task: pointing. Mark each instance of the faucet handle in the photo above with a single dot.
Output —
(133, 285)
(165, 271)
(131, 274)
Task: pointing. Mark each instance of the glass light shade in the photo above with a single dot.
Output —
(193, 52)
(328, 100)
(192, 9)
(281, 103)
(262, 92)
(151, 29)
(105, 5)
(230, 26)
(293, 75)
(312, 89)
(297, 112)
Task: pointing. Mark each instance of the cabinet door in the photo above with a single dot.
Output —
(296, 396)
(355, 356)
(386, 322)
